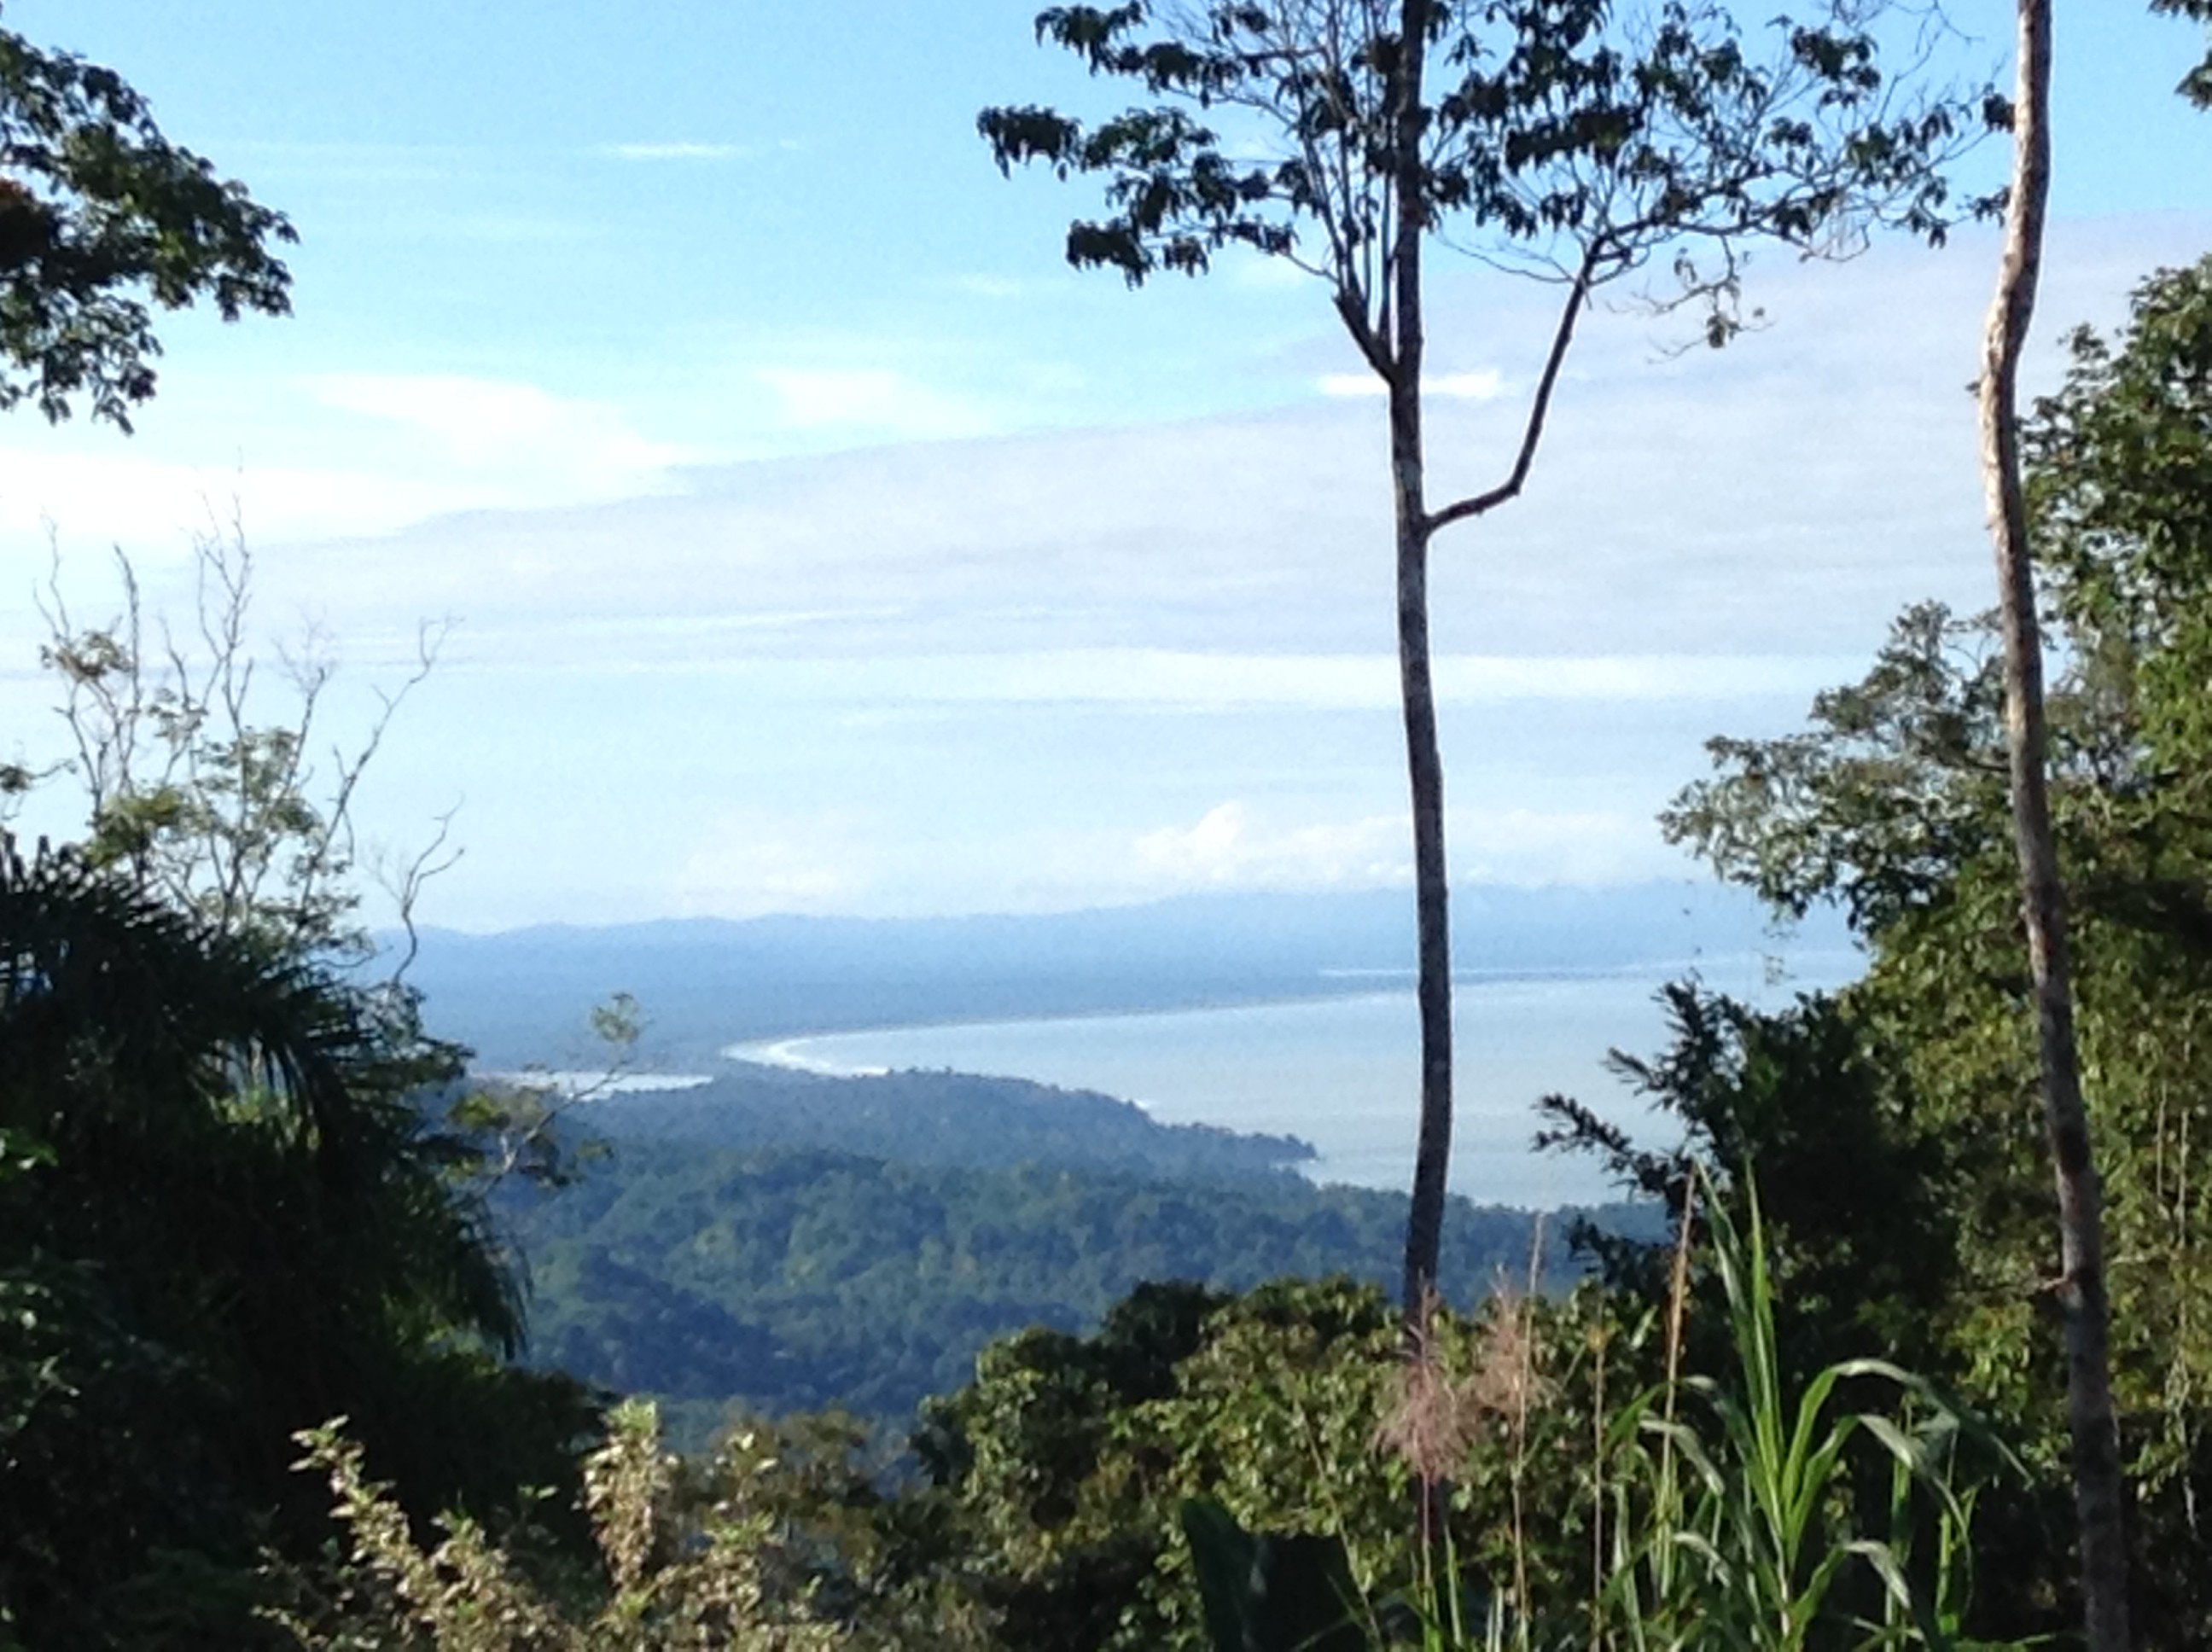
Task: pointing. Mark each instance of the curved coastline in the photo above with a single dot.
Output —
(785, 1049)
(1330, 1068)
(781, 1049)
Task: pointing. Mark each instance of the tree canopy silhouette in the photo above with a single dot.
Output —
(102, 220)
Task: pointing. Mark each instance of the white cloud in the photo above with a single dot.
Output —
(1170, 679)
(1531, 848)
(1470, 678)
(1230, 847)
(405, 448)
(517, 444)
(877, 400)
(805, 656)
(1226, 849)
(153, 507)
(1054, 603)
(1479, 386)
(752, 863)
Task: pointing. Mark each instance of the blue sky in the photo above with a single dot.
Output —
(818, 541)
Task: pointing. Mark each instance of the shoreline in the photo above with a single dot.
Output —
(1332, 1087)
(763, 1052)
(1348, 985)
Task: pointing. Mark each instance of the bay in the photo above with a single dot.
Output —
(1341, 1072)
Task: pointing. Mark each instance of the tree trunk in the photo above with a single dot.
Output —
(1424, 771)
(2097, 1491)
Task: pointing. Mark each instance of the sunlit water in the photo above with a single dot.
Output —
(1342, 1072)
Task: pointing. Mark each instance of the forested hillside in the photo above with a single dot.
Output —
(776, 1241)
(933, 1118)
(798, 1279)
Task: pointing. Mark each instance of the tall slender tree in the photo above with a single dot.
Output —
(1554, 136)
(2080, 1288)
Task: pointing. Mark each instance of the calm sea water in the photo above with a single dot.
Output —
(1342, 1072)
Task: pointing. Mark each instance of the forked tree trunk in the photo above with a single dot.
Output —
(2097, 1491)
(1424, 771)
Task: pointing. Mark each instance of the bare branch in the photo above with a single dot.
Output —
(1539, 408)
(321, 859)
(404, 883)
(1374, 347)
(206, 803)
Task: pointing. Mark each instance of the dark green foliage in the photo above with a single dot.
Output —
(1540, 126)
(224, 1222)
(792, 1279)
(1896, 784)
(1857, 1231)
(1270, 1592)
(1892, 805)
(941, 1118)
(1060, 1469)
(1058, 1474)
(101, 216)
(1731, 1503)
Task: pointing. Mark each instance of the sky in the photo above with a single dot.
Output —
(811, 538)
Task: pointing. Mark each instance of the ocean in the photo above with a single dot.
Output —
(1341, 1071)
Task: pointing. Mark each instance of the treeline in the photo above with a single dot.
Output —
(936, 1118)
(787, 1280)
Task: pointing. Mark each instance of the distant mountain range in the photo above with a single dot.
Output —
(525, 995)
